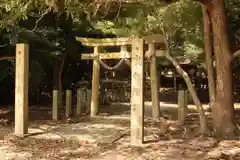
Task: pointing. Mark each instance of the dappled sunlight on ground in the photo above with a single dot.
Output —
(107, 137)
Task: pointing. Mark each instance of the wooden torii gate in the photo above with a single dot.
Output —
(137, 56)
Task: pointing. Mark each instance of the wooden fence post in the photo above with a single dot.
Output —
(68, 108)
(154, 83)
(80, 101)
(21, 89)
(182, 105)
(95, 83)
(137, 89)
(88, 100)
(55, 105)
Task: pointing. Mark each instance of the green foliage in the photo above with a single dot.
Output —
(233, 9)
(181, 20)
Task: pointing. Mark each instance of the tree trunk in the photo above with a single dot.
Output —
(55, 75)
(223, 108)
(60, 85)
(208, 54)
(202, 117)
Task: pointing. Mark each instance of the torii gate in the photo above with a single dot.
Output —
(137, 75)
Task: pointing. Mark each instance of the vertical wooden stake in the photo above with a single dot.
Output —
(68, 110)
(137, 89)
(182, 105)
(21, 89)
(80, 101)
(88, 100)
(154, 83)
(122, 94)
(55, 105)
(95, 83)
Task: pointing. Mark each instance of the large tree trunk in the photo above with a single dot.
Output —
(208, 55)
(223, 109)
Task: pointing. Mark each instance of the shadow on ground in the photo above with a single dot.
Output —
(107, 136)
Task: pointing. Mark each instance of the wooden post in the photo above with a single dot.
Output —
(122, 94)
(55, 105)
(137, 89)
(182, 104)
(88, 99)
(95, 83)
(21, 89)
(68, 110)
(80, 101)
(154, 83)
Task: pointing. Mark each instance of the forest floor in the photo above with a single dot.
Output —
(107, 137)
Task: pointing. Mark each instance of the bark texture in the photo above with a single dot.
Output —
(208, 54)
(60, 84)
(223, 108)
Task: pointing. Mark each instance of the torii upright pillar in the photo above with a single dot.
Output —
(137, 89)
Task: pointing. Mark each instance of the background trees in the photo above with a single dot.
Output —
(49, 27)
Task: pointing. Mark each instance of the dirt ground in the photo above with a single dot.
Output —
(107, 137)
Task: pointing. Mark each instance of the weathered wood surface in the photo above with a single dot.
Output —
(158, 38)
(55, 105)
(137, 89)
(182, 105)
(137, 84)
(88, 100)
(21, 89)
(68, 109)
(95, 83)
(104, 41)
(116, 55)
(154, 83)
(152, 39)
(80, 101)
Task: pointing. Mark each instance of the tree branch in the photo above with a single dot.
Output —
(4, 45)
(7, 58)
(41, 17)
(183, 73)
(119, 9)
